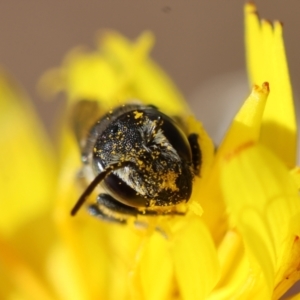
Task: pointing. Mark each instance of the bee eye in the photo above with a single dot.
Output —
(123, 192)
(173, 134)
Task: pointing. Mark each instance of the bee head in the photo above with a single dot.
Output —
(140, 157)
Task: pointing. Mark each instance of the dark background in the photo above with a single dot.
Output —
(199, 43)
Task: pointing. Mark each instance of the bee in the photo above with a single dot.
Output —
(140, 157)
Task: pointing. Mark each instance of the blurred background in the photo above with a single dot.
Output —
(199, 44)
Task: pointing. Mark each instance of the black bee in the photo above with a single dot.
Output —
(140, 157)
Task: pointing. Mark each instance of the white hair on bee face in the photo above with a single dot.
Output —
(150, 135)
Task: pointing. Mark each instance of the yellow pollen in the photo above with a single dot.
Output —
(169, 181)
(137, 114)
(140, 162)
(152, 203)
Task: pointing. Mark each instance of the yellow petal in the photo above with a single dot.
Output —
(264, 204)
(208, 193)
(101, 75)
(200, 182)
(153, 86)
(93, 260)
(266, 61)
(17, 276)
(289, 273)
(245, 128)
(156, 268)
(117, 72)
(246, 124)
(26, 161)
(253, 41)
(295, 172)
(234, 268)
(195, 259)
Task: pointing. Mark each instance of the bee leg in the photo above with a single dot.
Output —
(94, 210)
(196, 152)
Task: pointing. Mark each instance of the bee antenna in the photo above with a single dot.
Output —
(94, 183)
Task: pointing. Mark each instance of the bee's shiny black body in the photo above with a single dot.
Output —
(143, 160)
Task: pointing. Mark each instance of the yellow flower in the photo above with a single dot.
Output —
(240, 236)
